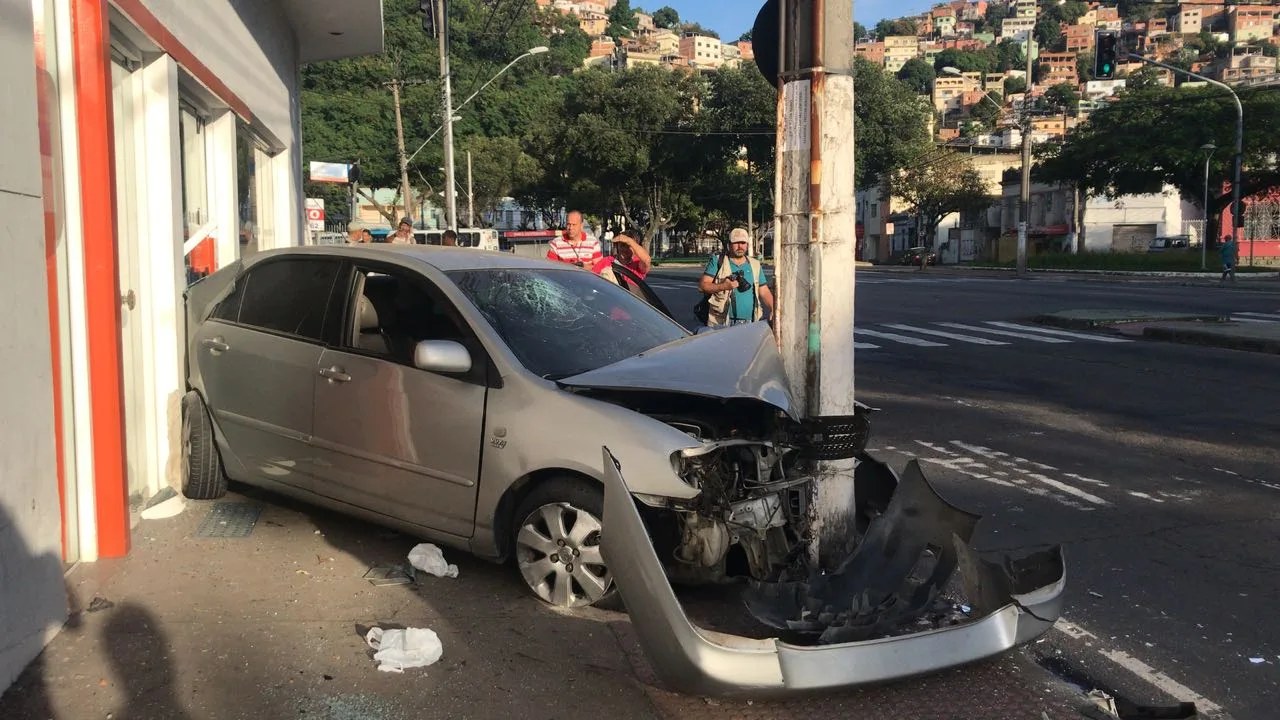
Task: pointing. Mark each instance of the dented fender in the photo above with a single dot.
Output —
(1013, 602)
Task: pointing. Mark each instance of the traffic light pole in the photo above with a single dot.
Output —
(1236, 214)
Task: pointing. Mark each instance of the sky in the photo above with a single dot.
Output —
(731, 18)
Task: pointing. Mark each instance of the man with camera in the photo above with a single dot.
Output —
(736, 285)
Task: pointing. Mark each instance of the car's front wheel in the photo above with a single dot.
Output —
(202, 474)
(557, 545)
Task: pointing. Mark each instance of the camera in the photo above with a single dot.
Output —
(743, 284)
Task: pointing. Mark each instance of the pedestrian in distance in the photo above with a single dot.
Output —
(736, 286)
(1228, 253)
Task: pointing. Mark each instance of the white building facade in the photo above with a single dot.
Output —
(147, 143)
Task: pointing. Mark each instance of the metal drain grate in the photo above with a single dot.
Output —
(230, 520)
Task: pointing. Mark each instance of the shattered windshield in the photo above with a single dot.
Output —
(560, 323)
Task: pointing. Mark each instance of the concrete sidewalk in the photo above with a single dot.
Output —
(1185, 328)
(270, 626)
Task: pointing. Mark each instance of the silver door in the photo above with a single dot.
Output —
(397, 440)
(257, 359)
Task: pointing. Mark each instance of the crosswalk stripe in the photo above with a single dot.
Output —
(1006, 333)
(864, 346)
(953, 336)
(1272, 316)
(1249, 319)
(1255, 317)
(1061, 333)
(901, 338)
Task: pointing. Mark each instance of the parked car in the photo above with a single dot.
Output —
(491, 403)
(1169, 242)
(912, 256)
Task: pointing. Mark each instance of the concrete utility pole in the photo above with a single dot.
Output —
(751, 225)
(404, 161)
(1024, 196)
(442, 41)
(471, 203)
(814, 227)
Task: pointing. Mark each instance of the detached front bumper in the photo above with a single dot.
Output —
(1012, 603)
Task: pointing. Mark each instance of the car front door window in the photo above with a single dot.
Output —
(290, 297)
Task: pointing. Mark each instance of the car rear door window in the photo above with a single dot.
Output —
(285, 296)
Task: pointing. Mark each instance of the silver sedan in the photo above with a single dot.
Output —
(490, 402)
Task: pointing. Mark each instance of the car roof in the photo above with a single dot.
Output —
(444, 259)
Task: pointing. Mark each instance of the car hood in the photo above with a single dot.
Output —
(740, 362)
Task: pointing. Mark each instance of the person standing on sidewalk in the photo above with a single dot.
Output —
(736, 285)
(1228, 254)
(404, 233)
(574, 246)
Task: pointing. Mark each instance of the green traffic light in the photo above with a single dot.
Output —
(1106, 68)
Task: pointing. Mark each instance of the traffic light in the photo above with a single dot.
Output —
(1107, 48)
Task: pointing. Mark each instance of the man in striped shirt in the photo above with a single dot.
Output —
(574, 246)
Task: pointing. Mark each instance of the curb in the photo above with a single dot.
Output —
(1106, 324)
(1133, 273)
(1209, 339)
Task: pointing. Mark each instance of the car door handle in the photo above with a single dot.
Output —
(335, 374)
(216, 344)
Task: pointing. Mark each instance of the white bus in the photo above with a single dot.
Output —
(478, 238)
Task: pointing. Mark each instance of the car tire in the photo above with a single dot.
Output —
(559, 516)
(202, 474)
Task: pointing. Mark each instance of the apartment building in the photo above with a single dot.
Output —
(703, 50)
(1058, 67)
(1246, 23)
(898, 49)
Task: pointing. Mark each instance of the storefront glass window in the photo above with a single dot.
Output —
(248, 179)
(200, 256)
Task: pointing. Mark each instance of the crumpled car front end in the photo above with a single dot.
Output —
(913, 598)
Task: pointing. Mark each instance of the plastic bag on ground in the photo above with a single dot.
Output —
(397, 649)
(429, 559)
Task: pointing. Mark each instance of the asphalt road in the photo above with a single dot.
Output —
(1157, 465)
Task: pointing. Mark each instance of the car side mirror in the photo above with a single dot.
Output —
(443, 356)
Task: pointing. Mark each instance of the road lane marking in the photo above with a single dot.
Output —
(1148, 674)
(864, 346)
(905, 340)
(1005, 333)
(1038, 477)
(952, 336)
(1269, 317)
(1061, 333)
(1254, 320)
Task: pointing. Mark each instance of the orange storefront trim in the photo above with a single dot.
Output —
(92, 52)
(44, 93)
(151, 26)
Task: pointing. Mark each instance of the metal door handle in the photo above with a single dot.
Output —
(216, 344)
(335, 374)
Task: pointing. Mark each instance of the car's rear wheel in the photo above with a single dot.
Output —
(202, 475)
(557, 545)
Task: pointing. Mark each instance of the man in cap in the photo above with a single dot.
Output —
(404, 233)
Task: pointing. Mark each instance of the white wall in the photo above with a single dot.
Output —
(255, 53)
(32, 595)
(1164, 210)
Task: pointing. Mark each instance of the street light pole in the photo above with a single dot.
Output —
(1235, 176)
(1204, 232)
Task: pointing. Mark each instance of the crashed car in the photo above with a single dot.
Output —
(491, 403)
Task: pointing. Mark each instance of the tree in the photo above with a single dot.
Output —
(859, 31)
(987, 112)
(918, 75)
(666, 17)
(1151, 138)
(1014, 85)
(901, 26)
(623, 143)
(890, 122)
(1009, 55)
(694, 27)
(1072, 11)
(983, 61)
(622, 19)
(938, 183)
(1048, 31)
(347, 110)
(1144, 78)
(1063, 96)
(745, 37)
